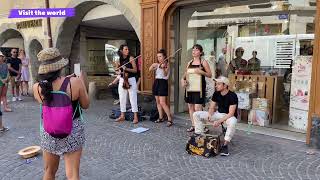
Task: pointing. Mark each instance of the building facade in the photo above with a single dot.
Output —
(81, 38)
(174, 24)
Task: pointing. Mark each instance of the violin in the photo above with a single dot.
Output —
(165, 62)
(126, 84)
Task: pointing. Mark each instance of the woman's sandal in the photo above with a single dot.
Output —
(135, 121)
(191, 129)
(7, 110)
(120, 119)
(169, 123)
(159, 120)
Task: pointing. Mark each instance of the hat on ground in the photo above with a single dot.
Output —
(51, 60)
(222, 79)
(1, 54)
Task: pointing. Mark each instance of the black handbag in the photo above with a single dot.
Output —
(204, 145)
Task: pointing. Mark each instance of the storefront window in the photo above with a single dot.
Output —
(278, 34)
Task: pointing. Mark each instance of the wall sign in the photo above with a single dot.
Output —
(29, 24)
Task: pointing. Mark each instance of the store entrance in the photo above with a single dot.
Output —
(275, 42)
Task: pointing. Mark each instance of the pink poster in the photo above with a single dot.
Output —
(300, 83)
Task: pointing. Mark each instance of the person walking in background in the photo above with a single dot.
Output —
(160, 86)
(4, 76)
(3, 79)
(114, 89)
(72, 91)
(127, 83)
(222, 65)
(196, 100)
(25, 75)
(212, 64)
(15, 66)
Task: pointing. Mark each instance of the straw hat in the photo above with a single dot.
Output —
(29, 152)
(51, 60)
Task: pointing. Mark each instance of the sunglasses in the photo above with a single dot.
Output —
(15, 52)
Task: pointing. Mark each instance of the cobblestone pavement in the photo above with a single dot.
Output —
(113, 152)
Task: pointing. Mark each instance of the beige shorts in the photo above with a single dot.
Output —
(14, 82)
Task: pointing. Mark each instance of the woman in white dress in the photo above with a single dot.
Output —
(25, 75)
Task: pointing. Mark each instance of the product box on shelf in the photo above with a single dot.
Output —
(260, 104)
(258, 117)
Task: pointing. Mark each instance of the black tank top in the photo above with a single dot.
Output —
(129, 65)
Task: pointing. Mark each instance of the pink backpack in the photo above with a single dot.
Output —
(57, 116)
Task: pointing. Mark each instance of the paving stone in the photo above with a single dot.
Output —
(113, 152)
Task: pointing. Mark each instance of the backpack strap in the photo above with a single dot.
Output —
(64, 84)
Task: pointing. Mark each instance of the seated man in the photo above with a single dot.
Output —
(227, 102)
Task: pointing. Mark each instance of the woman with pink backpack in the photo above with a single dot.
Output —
(61, 125)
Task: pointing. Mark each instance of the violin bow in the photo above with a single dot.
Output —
(166, 59)
(128, 62)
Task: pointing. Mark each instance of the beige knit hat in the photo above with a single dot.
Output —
(51, 60)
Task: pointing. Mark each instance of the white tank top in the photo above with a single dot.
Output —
(160, 73)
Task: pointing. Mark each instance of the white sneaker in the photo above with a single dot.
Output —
(14, 99)
(19, 99)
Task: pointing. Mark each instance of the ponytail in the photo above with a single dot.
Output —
(46, 84)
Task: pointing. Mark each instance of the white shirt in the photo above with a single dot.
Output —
(160, 73)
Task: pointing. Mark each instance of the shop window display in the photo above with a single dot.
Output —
(264, 47)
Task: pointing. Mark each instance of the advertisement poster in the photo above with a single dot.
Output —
(300, 91)
(298, 119)
(300, 83)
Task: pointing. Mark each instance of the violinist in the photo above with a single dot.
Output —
(127, 83)
(160, 86)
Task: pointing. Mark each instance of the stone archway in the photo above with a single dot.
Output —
(9, 34)
(9, 30)
(34, 48)
(67, 27)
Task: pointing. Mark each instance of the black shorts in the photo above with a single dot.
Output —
(160, 87)
(194, 98)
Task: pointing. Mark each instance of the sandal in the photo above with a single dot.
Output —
(120, 119)
(191, 129)
(159, 120)
(169, 123)
(7, 110)
(135, 121)
(4, 129)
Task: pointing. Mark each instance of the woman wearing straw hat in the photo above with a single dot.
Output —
(51, 65)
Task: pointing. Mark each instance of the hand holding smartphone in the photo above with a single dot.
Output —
(77, 69)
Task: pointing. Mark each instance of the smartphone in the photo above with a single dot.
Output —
(77, 69)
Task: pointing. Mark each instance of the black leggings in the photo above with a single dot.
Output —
(115, 93)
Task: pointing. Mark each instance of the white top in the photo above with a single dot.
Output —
(160, 73)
